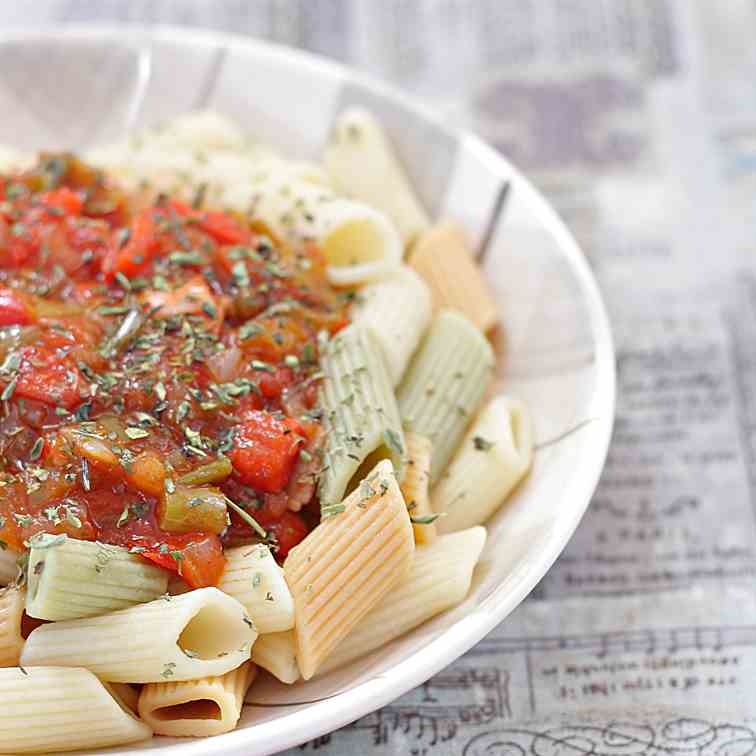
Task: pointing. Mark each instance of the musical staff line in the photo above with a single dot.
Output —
(650, 640)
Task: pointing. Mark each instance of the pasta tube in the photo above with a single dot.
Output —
(445, 383)
(361, 416)
(196, 708)
(439, 579)
(494, 456)
(69, 579)
(347, 564)
(127, 694)
(362, 164)
(415, 487)
(11, 616)
(398, 309)
(8, 566)
(359, 243)
(277, 652)
(198, 149)
(255, 580)
(442, 258)
(198, 634)
(50, 709)
(204, 129)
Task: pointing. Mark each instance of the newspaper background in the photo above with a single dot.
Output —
(637, 118)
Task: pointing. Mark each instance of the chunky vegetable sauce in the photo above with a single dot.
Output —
(158, 372)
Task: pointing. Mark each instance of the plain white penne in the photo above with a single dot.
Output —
(343, 568)
(253, 578)
(16, 161)
(277, 653)
(196, 708)
(8, 566)
(12, 601)
(494, 456)
(202, 633)
(362, 164)
(69, 579)
(398, 309)
(127, 694)
(200, 129)
(359, 243)
(439, 579)
(416, 484)
(200, 156)
(53, 709)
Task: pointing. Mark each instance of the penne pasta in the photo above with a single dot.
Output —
(362, 163)
(68, 579)
(445, 384)
(347, 564)
(8, 566)
(197, 149)
(398, 309)
(441, 256)
(51, 709)
(415, 487)
(198, 634)
(439, 579)
(277, 653)
(494, 456)
(361, 416)
(196, 708)
(359, 243)
(11, 616)
(127, 694)
(203, 129)
(255, 580)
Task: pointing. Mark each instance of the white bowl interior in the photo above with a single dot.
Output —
(73, 88)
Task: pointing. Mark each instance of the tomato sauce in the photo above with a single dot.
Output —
(147, 345)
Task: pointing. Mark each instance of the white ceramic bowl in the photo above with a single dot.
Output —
(75, 86)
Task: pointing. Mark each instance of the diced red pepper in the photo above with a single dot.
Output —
(92, 237)
(288, 530)
(193, 297)
(137, 253)
(197, 558)
(265, 451)
(202, 562)
(272, 385)
(44, 377)
(12, 499)
(13, 310)
(23, 243)
(224, 228)
(64, 200)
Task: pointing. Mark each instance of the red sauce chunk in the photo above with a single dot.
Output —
(158, 372)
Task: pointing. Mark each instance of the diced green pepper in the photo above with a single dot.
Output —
(189, 509)
(213, 472)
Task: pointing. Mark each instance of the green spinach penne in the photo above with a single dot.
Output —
(445, 383)
(69, 579)
(361, 415)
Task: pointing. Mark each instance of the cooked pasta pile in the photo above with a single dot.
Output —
(237, 431)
